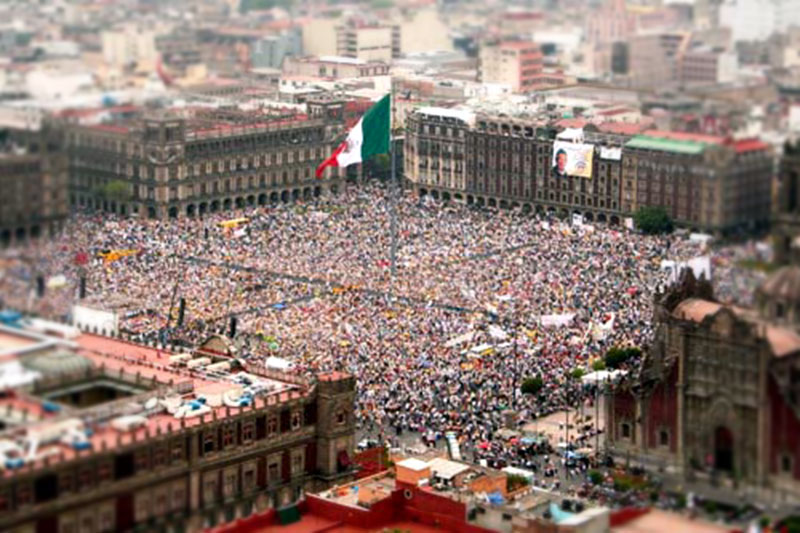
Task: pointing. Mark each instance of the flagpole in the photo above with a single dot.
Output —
(392, 193)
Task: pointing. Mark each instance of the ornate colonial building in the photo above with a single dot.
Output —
(717, 393)
(704, 182)
(33, 187)
(174, 165)
(786, 221)
(112, 436)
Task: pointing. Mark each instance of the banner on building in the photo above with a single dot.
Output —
(572, 159)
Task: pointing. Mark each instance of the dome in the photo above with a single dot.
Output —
(58, 363)
(783, 285)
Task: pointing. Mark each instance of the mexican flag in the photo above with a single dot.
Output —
(367, 138)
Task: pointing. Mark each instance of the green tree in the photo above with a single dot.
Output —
(598, 365)
(532, 385)
(596, 477)
(653, 220)
(577, 373)
(616, 356)
(515, 481)
(116, 190)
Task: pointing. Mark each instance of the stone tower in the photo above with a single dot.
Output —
(336, 428)
(786, 219)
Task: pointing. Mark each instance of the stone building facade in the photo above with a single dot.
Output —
(716, 396)
(786, 220)
(500, 162)
(177, 167)
(189, 475)
(33, 187)
(703, 182)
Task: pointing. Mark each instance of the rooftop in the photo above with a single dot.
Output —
(782, 341)
(648, 142)
(136, 392)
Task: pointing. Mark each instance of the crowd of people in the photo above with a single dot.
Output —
(480, 301)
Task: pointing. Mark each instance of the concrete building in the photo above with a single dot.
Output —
(757, 20)
(270, 51)
(114, 442)
(653, 58)
(715, 398)
(368, 42)
(514, 63)
(707, 65)
(215, 160)
(129, 45)
(333, 67)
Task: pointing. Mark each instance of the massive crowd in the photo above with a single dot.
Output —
(481, 300)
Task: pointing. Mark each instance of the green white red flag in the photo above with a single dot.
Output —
(367, 138)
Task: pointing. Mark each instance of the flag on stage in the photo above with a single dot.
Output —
(367, 138)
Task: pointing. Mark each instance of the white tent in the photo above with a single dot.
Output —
(564, 319)
(278, 363)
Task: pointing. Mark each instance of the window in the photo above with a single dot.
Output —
(229, 488)
(142, 460)
(273, 473)
(177, 450)
(298, 460)
(24, 495)
(208, 442)
(626, 430)
(228, 436)
(341, 417)
(786, 464)
(159, 456)
(663, 437)
(248, 432)
(297, 420)
(249, 477)
(178, 497)
(272, 425)
(210, 487)
(65, 482)
(104, 472)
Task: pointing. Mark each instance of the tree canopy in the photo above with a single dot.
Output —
(532, 385)
(653, 220)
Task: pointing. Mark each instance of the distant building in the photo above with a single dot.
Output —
(515, 63)
(715, 399)
(704, 64)
(129, 45)
(757, 20)
(333, 67)
(653, 58)
(368, 42)
(270, 51)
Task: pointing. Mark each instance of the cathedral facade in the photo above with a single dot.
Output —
(717, 397)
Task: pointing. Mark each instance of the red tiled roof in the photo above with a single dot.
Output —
(623, 128)
(110, 128)
(571, 123)
(749, 145)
